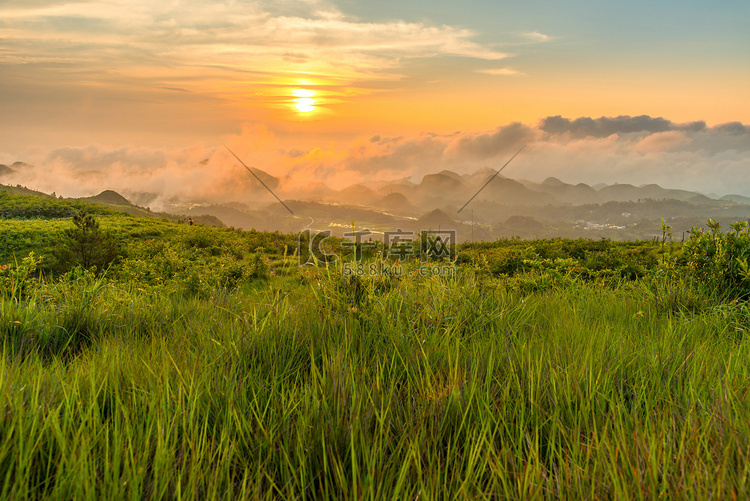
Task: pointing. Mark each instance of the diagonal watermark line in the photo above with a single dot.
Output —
(259, 180)
(490, 179)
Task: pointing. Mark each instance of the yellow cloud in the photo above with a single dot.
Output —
(504, 72)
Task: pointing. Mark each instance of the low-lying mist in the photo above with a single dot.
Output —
(625, 150)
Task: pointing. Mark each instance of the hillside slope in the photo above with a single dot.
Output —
(42, 205)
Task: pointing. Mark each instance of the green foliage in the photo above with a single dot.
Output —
(303, 389)
(666, 231)
(26, 207)
(86, 245)
(259, 268)
(590, 260)
(16, 279)
(206, 363)
(198, 264)
(720, 259)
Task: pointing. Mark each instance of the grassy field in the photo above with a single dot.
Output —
(205, 363)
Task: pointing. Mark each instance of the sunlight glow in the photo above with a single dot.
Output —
(304, 104)
(303, 93)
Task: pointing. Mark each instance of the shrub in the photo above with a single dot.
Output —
(86, 245)
(721, 259)
(260, 266)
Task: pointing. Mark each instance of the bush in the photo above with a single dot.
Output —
(260, 266)
(721, 259)
(86, 245)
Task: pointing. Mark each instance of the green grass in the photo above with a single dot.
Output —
(414, 388)
(205, 364)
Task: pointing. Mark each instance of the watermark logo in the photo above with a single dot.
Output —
(438, 244)
(397, 269)
(425, 245)
(399, 244)
(361, 255)
(312, 248)
(358, 245)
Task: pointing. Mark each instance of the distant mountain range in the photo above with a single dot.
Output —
(447, 188)
(502, 207)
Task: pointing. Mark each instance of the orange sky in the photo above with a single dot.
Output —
(192, 75)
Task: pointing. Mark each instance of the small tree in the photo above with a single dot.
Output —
(87, 245)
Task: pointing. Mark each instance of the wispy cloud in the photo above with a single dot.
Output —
(502, 72)
(192, 45)
(535, 36)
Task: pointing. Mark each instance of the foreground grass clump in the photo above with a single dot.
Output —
(315, 385)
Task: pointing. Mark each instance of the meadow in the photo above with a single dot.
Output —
(205, 363)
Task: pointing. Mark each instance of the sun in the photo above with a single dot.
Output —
(304, 102)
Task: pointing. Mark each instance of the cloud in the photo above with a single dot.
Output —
(489, 145)
(535, 36)
(635, 150)
(605, 126)
(505, 72)
(661, 141)
(193, 45)
(733, 128)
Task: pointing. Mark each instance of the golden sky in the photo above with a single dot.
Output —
(293, 82)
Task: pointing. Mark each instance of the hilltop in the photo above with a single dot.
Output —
(22, 190)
